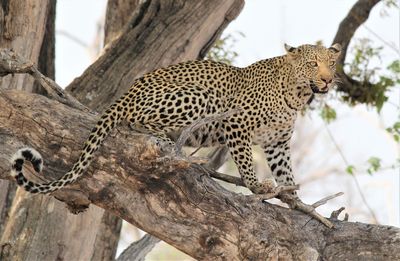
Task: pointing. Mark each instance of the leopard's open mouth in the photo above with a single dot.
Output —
(315, 89)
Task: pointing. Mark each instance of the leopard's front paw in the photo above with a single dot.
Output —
(267, 190)
(265, 187)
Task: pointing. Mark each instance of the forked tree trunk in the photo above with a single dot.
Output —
(91, 231)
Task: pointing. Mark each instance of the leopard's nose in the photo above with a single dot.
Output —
(327, 80)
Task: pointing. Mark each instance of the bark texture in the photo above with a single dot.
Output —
(139, 180)
(36, 226)
(106, 238)
(138, 250)
(120, 17)
(23, 27)
(159, 33)
(118, 14)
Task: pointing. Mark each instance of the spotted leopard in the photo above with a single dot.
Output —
(269, 92)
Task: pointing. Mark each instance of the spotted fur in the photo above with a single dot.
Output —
(269, 92)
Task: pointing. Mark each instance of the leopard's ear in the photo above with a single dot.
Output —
(289, 49)
(336, 49)
(292, 52)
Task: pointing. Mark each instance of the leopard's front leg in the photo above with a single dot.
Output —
(278, 158)
(239, 143)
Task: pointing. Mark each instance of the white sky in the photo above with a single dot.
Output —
(266, 26)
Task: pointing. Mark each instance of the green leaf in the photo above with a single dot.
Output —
(328, 114)
(396, 125)
(374, 165)
(350, 169)
(394, 66)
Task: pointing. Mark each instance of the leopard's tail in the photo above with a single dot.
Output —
(112, 117)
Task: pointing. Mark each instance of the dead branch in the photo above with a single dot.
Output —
(281, 191)
(10, 63)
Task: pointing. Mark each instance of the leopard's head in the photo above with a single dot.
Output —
(314, 64)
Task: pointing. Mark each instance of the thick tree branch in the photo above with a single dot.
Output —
(357, 91)
(185, 28)
(176, 200)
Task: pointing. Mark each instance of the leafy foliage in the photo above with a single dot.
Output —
(222, 49)
(328, 114)
(374, 165)
(395, 131)
(376, 81)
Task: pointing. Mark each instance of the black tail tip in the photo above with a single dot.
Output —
(29, 154)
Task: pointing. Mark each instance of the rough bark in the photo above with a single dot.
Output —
(123, 26)
(107, 236)
(159, 33)
(118, 14)
(358, 14)
(101, 240)
(137, 179)
(23, 26)
(41, 234)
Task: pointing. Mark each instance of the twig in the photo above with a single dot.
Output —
(217, 157)
(292, 201)
(296, 203)
(10, 62)
(227, 178)
(353, 176)
(326, 199)
(335, 214)
(197, 124)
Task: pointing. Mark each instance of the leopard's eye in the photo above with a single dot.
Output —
(312, 64)
(332, 63)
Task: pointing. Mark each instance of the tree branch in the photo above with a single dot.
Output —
(358, 14)
(138, 250)
(11, 63)
(176, 202)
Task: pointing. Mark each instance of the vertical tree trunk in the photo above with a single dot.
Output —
(23, 26)
(36, 227)
(118, 14)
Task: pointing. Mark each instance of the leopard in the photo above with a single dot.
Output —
(269, 93)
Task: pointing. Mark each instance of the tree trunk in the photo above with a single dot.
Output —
(23, 28)
(139, 180)
(39, 233)
(14, 34)
(118, 14)
(160, 33)
(172, 199)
